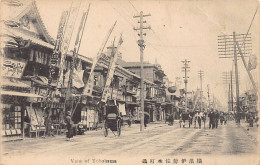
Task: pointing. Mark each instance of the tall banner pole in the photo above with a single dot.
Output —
(89, 85)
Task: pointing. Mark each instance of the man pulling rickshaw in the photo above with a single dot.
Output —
(112, 120)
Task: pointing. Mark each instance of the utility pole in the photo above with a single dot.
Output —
(229, 80)
(236, 72)
(201, 76)
(186, 67)
(231, 90)
(142, 46)
(228, 46)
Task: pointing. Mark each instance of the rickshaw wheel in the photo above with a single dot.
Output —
(118, 128)
(105, 130)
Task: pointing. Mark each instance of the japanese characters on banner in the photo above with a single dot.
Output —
(90, 83)
(109, 79)
(67, 35)
(12, 68)
(56, 52)
(111, 71)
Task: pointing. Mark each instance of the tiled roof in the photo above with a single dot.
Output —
(136, 64)
(38, 41)
(16, 12)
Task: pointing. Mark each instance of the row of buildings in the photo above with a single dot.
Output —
(27, 97)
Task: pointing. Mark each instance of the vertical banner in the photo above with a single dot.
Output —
(111, 71)
(56, 52)
(90, 83)
(79, 82)
(67, 35)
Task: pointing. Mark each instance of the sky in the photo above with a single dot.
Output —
(180, 29)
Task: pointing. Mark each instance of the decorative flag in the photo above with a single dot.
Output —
(77, 80)
(90, 83)
(252, 63)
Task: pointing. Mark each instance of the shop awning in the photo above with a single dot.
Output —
(7, 82)
(12, 93)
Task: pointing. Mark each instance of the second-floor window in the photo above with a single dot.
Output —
(95, 80)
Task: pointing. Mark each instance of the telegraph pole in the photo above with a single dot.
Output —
(231, 91)
(186, 67)
(142, 46)
(228, 79)
(200, 75)
(236, 72)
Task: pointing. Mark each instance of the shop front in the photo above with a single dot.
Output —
(15, 100)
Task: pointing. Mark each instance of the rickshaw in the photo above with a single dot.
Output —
(112, 120)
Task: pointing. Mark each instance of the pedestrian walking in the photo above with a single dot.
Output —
(171, 119)
(70, 124)
(130, 120)
(199, 117)
(196, 118)
(211, 116)
(216, 118)
(48, 123)
(222, 118)
(204, 118)
(256, 120)
(146, 118)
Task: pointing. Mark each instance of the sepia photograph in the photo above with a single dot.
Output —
(129, 82)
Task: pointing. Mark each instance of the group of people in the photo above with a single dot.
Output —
(215, 117)
(196, 117)
(200, 116)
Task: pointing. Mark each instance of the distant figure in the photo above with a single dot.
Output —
(204, 118)
(256, 120)
(211, 116)
(216, 118)
(222, 118)
(69, 123)
(199, 118)
(130, 120)
(251, 120)
(146, 119)
(171, 119)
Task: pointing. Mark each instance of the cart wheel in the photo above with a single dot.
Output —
(105, 129)
(118, 128)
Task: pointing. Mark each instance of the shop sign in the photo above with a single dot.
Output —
(114, 94)
(13, 68)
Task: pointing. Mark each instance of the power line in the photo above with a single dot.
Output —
(132, 5)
